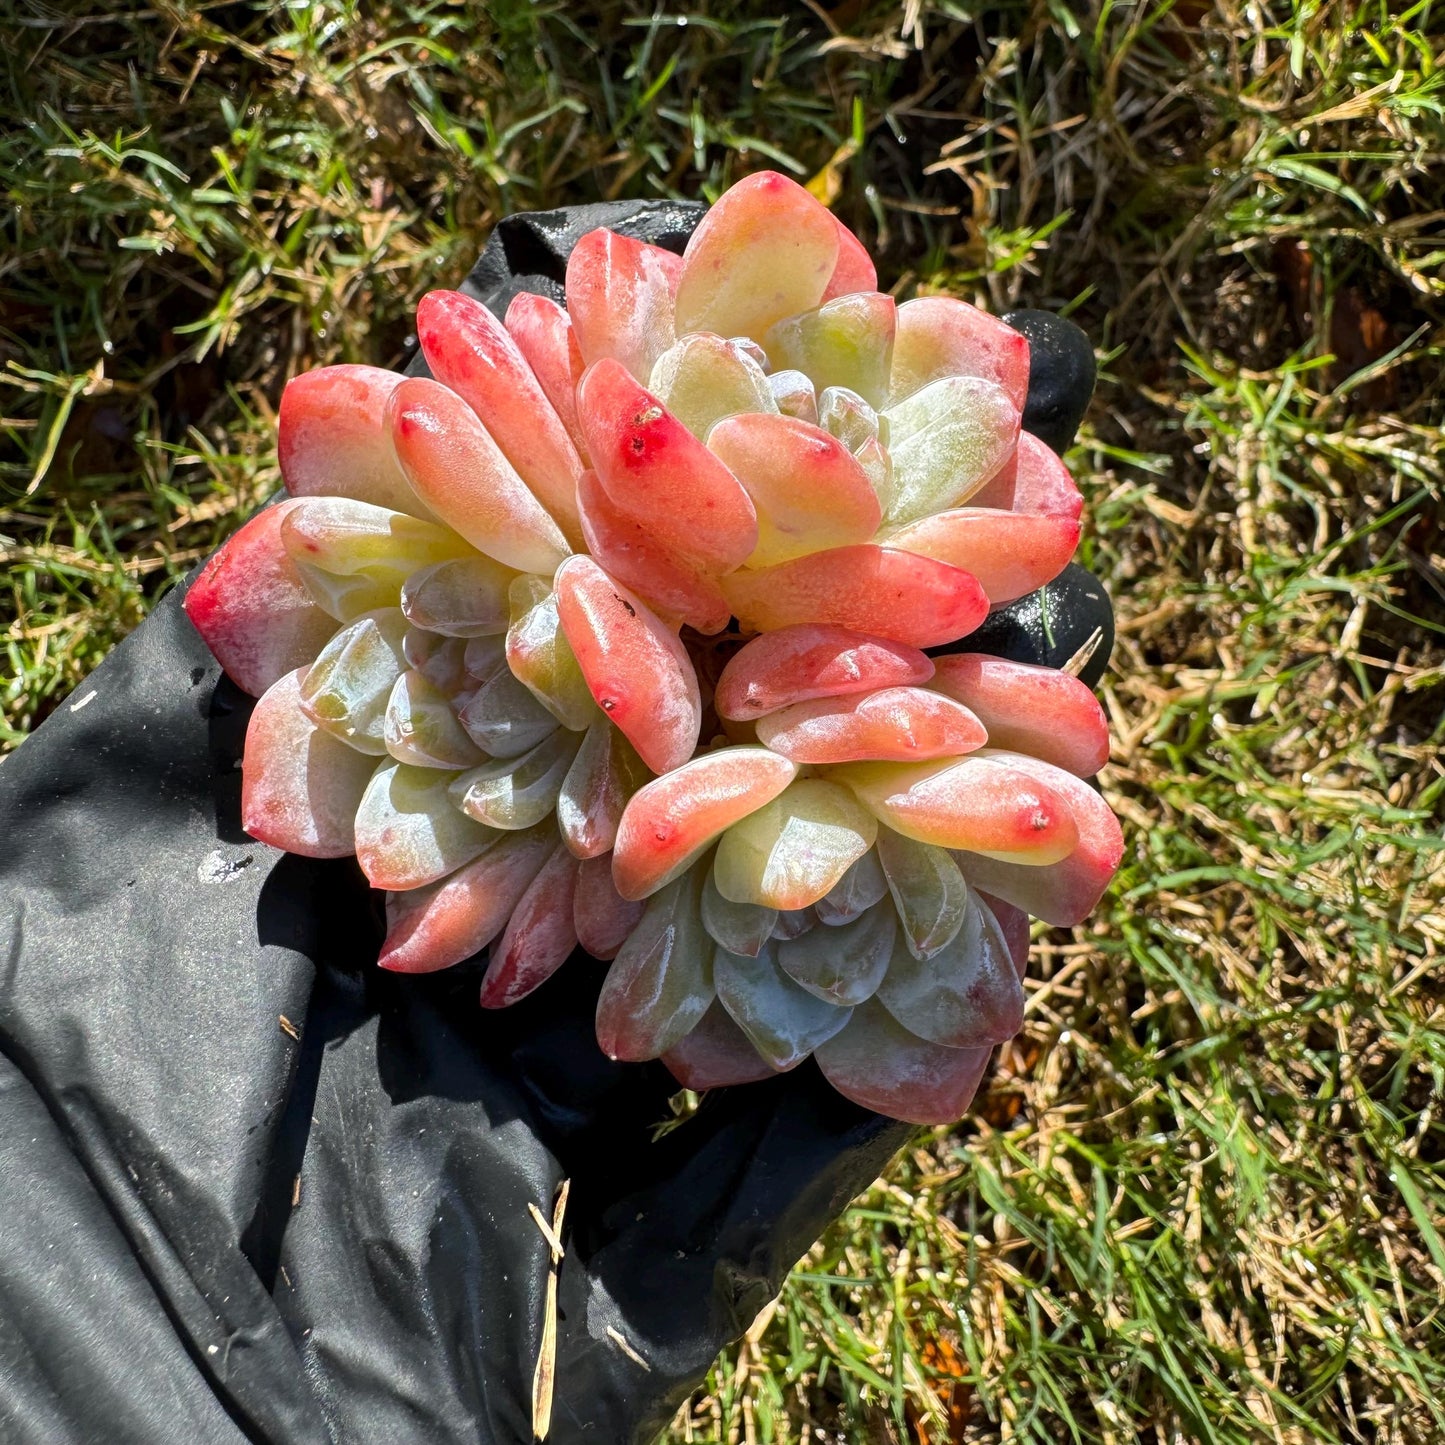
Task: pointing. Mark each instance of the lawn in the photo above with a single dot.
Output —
(1203, 1196)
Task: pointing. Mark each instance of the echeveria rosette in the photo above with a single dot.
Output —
(612, 632)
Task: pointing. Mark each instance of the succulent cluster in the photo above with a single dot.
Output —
(613, 630)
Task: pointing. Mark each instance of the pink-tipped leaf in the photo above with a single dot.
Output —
(539, 937)
(901, 724)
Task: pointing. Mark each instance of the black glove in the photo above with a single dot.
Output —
(216, 1230)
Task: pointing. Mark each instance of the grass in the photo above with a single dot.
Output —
(1203, 1196)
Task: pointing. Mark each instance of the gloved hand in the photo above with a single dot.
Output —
(253, 1187)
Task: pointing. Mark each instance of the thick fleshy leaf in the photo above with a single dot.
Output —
(928, 890)
(946, 442)
(854, 893)
(441, 660)
(457, 467)
(603, 917)
(661, 982)
(543, 333)
(845, 342)
(715, 1055)
(782, 1020)
(671, 821)
(1011, 553)
(658, 473)
(738, 927)
(941, 336)
(979, 802)
(794, 923)
(872, 589)
(353, 557)
(514, 793)
(485, 657)
(626, 549)
(877, 466)
(1014, 924)
(879, 1065)
(795, 395)
(408, 834)
(504, 719)
(844, 414)
(540, 934)
(791, 851)
(466, 597)
(1034, 482)
(965, 996)
(854, 269)
(619, 296)
(605, 773)
(1066, 892)
(703, 378)
(639, 673)
(252, 608)
(350, 684)
(808, 490)
(842, 965)
(1028, 709)
(420, 727)
(442, 924)
(540, 657)
(332, 438)
(901, 724)
(813, 660)
(472, 353)
(764, 251)
(300, 787)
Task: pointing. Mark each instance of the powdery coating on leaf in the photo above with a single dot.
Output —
(810, 660)
(1011, 554)
(544, 335)
(809, 491)
(766, 250)
(877, 1063)
(669, 822)
(1066, 892)
(928, 891)
(300, 787)
(252, 609)
(540, 935)
(1034, 481)
(882, 591)
(467, 597)
(658, 473)
(1028, 709)
(639, 673)
(471, 352)
(454, 463)
(941, 336)
(620, 298)
(435, 927)
(945, 443)
(333, 440)
(903, 724)
(997, 808)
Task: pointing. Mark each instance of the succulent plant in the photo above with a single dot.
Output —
(613, 631)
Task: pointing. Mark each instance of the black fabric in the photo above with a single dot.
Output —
(214, 1232)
